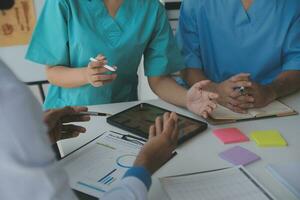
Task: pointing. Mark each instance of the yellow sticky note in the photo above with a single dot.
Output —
(268, 138)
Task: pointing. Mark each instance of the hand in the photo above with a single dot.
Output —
(95, 72)
(163, 137)
(230, 97)
(199, 101)
(56, 119)
(262, 95)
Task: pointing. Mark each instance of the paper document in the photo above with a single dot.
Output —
(231, 183)
(100, 165)
(288, 174)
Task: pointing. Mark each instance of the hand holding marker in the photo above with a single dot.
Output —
(98, 73)
(112, 69)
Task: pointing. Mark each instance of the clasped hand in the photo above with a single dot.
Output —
(254, 96)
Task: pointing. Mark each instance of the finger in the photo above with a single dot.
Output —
(204, 114)
(174, 116)
(79, 109)
(158, 125)
(244, 84)
(108, 77)
(246, 99)
(152, 133)
(208, 109)
(212, 105)
(232, 101)
(235, 94)
(73, 128)
(100, 57)
(240, 77)
(169, 128)
(69, 135)
(247, 106)
(236, 109)
(212, 96)
(98, 70)
(166, 116)
(175, 133)
(101, 83)
(97, 64)
(76, 118)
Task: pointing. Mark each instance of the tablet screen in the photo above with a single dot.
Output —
(139, 118)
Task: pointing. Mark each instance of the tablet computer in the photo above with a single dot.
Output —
(139, 118)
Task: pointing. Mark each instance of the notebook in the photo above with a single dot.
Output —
(288, 174)
(231, 183)
(274, 109)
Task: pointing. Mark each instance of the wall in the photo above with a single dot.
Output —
(14, 58)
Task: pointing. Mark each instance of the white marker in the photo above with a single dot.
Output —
(112, 69)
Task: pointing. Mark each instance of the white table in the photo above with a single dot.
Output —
(201, 152)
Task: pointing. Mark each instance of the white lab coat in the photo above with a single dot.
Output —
(28, 169)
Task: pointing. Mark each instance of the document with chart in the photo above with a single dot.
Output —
(100, 165)
(231, 183)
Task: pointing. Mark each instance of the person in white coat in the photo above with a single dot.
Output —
(29, 170)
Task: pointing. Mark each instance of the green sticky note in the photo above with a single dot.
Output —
(268, 138)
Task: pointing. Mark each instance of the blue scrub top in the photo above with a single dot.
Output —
(69, 32)
(222, 39)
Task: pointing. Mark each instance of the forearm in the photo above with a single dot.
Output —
(286, 83)
(66, 77)
(192, 76)
(167, 89)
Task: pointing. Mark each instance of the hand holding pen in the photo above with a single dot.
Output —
(97, 72)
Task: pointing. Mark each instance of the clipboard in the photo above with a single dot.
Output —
(100, 164)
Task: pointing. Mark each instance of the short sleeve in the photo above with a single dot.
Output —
(187, 37)
(291, 49)
(49, 43)
(162, 56)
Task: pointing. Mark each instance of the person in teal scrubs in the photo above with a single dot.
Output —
(253, 44)
(117, 33)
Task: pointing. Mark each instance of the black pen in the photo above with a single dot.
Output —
(95, 114)
(130, 136)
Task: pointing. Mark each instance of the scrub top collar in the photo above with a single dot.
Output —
(256, 12)
(123, 15)
(113, 27)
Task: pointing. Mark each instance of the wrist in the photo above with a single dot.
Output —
(84, 76)
(272, 92)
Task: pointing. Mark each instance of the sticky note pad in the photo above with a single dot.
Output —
(230, 135)
(269, 138)
(239, 156)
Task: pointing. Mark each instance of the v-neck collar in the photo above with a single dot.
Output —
(112, 27)
(246, 17)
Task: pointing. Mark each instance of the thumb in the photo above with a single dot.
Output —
(201, 84)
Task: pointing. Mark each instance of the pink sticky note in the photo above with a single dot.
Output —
(230, 135)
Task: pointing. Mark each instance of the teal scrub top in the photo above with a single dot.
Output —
(69, 32)
(222, 39)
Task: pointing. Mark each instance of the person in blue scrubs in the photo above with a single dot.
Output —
(117, 33)
(253, 44)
